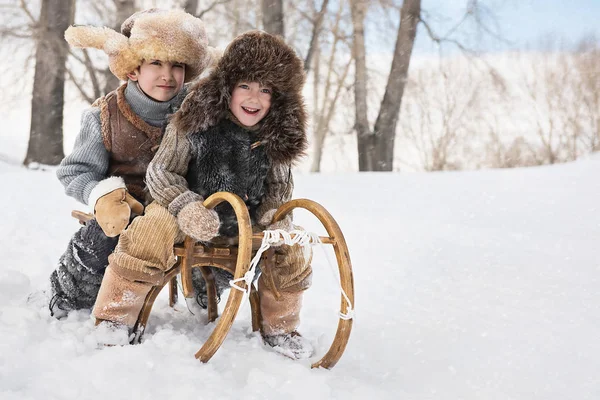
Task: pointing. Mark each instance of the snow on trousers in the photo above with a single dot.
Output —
(145, 252)
(77, 278)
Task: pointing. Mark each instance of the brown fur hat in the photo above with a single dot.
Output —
(166, 35)
(253, 56)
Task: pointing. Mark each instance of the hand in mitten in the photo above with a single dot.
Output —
(267, 219)
(198, 222)
(112, 211)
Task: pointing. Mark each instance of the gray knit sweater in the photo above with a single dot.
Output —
(87, 165)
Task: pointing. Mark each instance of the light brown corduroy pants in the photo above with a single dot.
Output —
(145, 252)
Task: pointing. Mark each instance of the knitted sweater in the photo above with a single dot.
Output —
(87, 165)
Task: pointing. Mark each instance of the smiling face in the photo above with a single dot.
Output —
(250, 102)
(159, 80)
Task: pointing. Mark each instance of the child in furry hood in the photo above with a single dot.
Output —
(220, 140)
(119, 136)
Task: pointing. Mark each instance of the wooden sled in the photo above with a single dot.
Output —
(236, 259)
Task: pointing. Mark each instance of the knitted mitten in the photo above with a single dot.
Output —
(267, 218)
(198, 222)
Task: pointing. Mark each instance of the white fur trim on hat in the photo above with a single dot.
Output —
(103, 187)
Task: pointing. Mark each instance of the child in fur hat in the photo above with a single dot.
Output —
(239, 130)
(156, 52)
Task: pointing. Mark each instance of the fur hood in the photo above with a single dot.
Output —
(260, 57)
(172, 35)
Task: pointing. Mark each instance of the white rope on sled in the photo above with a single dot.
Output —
(279, 237)
(350, 313)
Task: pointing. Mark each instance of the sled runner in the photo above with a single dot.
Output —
(237, 259)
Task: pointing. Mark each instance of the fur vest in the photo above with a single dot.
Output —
(223, 158)
(130, 141)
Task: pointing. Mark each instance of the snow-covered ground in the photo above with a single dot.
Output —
(470, 285)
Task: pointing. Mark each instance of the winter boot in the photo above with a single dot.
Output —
(109, 333)
(59, 306)
(292, 345)
(280, 318)
(120, 300)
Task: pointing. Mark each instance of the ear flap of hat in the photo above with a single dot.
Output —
(121, 59)
(283, 132)
(97, 37)
(206, 103)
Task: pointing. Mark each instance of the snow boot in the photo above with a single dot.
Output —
(280, 318)
(109, 333)
(292, 345)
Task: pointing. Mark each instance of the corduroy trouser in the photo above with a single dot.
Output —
(145, 252)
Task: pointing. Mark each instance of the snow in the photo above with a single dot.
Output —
(469, 285)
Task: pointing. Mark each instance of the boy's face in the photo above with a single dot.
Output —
(160, 80)
(250, 102)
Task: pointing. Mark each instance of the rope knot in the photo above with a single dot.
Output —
(279, 237)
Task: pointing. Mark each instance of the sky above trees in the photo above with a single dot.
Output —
(522, 23)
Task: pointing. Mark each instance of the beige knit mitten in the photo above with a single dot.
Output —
(198, 222)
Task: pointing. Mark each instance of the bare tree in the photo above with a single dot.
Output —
(331, 93)
(317, 23)
(46, 132)
(17, 26)
(191, 6)
(508, 155)
(272, 12)
(586, 61)
(365, 139)
(376, 148)
(442, 113)
(550, 93)
(562, 88)
(385, 125)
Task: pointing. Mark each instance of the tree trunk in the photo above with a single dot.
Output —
(123, 10)
(272, 11)
(190, 6)
(325, 111)
(325, 121)
(365, 139)
(237, 18)
(316, 83)
(315, 35)
(385, 125)
(47, 103)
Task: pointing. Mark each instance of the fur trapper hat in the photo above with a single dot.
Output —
(253, 56)
(153, 34)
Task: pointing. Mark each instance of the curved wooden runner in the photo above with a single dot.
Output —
(234, 300)
(336, 238)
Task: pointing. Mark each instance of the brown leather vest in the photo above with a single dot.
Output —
(130, 141)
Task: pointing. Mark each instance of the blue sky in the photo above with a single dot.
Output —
(523, 23)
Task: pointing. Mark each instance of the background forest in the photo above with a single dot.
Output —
(376, 103)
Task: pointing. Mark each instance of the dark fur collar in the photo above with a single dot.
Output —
(283, 130)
